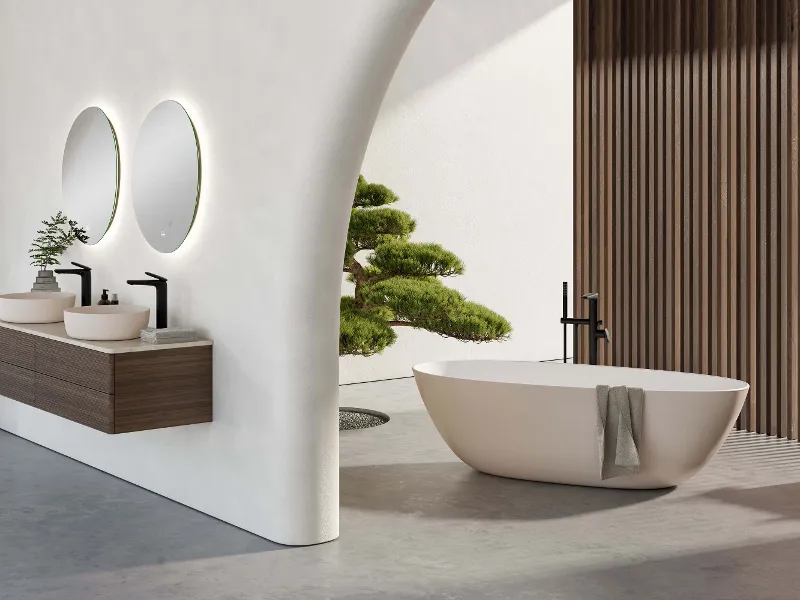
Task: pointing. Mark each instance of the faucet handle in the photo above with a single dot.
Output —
(154, 276)
(591, 296)
(84, 267)
(607, 335)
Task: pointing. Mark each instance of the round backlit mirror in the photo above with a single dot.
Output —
(165, 178)
(90, 173)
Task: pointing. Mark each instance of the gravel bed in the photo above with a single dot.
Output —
(350, 418)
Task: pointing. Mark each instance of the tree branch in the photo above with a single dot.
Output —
(400, 324)
(357, 271)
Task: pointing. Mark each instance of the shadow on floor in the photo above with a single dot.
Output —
(59, 516)
(454, 490)
(757, 572)
(780, 500)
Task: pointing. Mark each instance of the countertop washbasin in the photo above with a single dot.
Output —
(106, 323)
(35, 307)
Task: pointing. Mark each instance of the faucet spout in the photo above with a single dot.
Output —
(160, 283)
(85, 274)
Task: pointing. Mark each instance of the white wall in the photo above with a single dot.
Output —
(284, 95)
(475, 136)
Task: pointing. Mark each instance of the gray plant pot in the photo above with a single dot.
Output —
(46, 282)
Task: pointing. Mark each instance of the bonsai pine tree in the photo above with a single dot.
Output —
(59, 233)
(400, 283)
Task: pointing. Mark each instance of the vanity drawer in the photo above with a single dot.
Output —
(17, 348)
(164, 389)
(76, 403)
(87, 368)
(17, 383)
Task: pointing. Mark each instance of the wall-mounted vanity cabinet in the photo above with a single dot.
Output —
(114, 387)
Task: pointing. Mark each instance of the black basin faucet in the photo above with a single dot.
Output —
(86, 281)
(596, 332)
(160, 283)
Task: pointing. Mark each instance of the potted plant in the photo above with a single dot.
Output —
(399, 284)
(58, 235)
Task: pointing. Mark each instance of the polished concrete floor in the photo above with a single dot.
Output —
(416, 523)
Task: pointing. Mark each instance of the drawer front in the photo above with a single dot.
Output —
(87, 368)
(17, 348)
(163, 389)
(76, 403)
(17, 383)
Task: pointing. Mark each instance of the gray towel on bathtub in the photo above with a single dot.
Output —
(620, 412)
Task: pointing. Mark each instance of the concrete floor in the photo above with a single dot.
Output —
(416, 523)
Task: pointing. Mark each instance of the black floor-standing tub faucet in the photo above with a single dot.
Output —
(596, 332)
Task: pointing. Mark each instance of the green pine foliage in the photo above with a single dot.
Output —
(371, 228)
(363, 332)
(398, 286)
(58, 235)
(415, 260)
(372, 194)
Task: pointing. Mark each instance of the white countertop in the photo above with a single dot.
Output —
(56, 331)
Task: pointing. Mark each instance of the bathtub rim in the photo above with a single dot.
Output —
(735, 385)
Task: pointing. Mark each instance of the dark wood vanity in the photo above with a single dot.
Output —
(114, 387)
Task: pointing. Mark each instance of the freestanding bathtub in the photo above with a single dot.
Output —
(538, 421)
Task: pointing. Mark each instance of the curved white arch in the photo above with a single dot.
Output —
(311, 421)
(283, 96)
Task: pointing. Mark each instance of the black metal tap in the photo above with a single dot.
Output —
(596, 332)
(160, 283)
(86, 281)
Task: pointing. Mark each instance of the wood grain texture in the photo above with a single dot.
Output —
(17, 383)
(687, 189)
(87, 368)
(74, 402)
(163, 389)
(17, 348)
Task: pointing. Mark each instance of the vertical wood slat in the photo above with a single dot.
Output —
(618, 65)
(697, 130)
(688, 165)
(732, 125)
(676, 333)
(721, 201)
(578, 64)
(794, 217)
(714, 225)
(762, 175)
(743, 24)
(687, 190)
(772, 110)
(626, 185)
(668, 94)
(782, 284)
(751, 140)
(636, 127)
(644, 128)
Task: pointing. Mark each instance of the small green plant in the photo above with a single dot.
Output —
(51, 242)
(399, 286)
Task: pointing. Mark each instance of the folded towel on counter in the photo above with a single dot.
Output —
(620, 412)
(168, 335)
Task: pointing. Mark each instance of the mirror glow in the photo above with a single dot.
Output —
(90, 173)
(166, 176)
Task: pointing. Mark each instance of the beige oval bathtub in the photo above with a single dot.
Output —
(538, 421)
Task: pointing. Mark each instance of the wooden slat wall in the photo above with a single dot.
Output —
(686, 190)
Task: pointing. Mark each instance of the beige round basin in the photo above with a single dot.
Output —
(106, 323)
(35, 307)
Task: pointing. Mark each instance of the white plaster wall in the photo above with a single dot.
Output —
(475, 136)
(283, 95)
